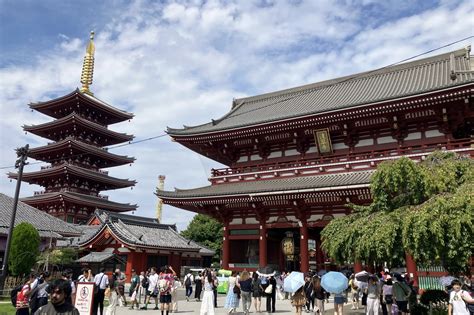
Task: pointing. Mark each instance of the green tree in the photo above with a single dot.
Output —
(24, 249)
(425, 209)
(63, 256)
(206, 231)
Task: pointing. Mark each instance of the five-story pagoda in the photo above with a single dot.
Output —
(73, 180)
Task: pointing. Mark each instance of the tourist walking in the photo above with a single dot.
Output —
(320, 295)
(165, 284)
(245, 291)
(387, 295)
(298, 300)
(114, 294)
(257, 292)
(102, 282)
(233, 294)
(23, 297)
(188, 284)
(60, 291)
(271, 294)
(207, 305)
(152, 290)
(354, 292)
(133, 290)
(39, 294)
(373, 296)
(198, 288)
(215, 284)
(339, 300)
(308, 291)
(122, 301)
(174, 294)
(458, 299)
(401, 292)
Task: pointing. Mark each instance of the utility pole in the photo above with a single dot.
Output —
(19, 164)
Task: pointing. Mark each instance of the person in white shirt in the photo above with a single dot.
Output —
(102, 282)
(458, 299)
(152, 289)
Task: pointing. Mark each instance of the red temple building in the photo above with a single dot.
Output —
(295, 158)
(79, 133)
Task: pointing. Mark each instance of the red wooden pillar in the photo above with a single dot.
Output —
(411, 269)
(225, 247)
(262, 244)
(357, 266)
(130, 266)
(304, 265)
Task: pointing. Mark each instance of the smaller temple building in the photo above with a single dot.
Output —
(132, 242)
(50, 229)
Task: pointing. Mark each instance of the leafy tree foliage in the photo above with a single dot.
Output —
(63, 256)
(206, 231)
(24, 249)
(425, 209)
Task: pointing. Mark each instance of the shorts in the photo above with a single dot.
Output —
(389, 299)
(402, 306)
(152, 294)
(165, 298)
(339, 300)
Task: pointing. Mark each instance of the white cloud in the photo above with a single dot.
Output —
(183, 62)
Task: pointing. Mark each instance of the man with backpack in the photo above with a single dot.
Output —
(188, 284)
(39, 293)
(165, 283)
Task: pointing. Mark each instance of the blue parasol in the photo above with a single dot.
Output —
(334, 282)
(446, 280)
(293, 282)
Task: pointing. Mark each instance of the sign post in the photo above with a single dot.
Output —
(84, 297)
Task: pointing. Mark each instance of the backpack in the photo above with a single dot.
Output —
(187, 282)
(145, 282)
(14, 292)
(163, 285)
(469, 306)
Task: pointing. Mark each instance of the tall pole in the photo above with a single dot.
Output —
(20, 163)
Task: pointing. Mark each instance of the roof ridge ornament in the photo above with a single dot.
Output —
(88, 66)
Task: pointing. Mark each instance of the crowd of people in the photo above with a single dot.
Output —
(382, 293)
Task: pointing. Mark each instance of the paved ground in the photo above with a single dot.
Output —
(193, 307)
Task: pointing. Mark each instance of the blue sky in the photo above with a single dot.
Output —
(181, 62)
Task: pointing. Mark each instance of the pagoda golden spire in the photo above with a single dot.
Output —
(88, 66)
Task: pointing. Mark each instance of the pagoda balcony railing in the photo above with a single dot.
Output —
(335, 163)
(37, 193)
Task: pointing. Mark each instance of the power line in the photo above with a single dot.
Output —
(273, 103)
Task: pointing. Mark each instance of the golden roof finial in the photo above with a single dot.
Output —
(88, 66)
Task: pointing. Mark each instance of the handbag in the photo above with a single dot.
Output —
(236, 290)
(269, 289)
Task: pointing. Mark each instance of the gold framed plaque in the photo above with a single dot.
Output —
(323, 141)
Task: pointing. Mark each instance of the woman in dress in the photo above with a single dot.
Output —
(232, 298)
(198, 282)
(257, 291)
(207, 305)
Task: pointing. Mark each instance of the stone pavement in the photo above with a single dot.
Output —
(193, 307)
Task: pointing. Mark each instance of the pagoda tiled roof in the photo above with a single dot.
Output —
(81, 199)
(47, 225)
(74, 118)
(386, 84)
(296, 184)
(49, 107)
(97, 257)
(142, 232)
(66, 168)
(69, 142)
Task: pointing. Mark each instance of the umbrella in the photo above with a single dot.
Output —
(446, 280)
(362, 276)
(293, 282)
(322, 272)
(266, 271)
(334, 282)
